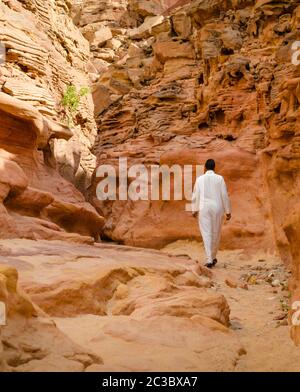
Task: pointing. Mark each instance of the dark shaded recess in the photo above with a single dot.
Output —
(201, 79)
(228, 138)
(227, 52)
(219, 116)
(238, 75)
(203, 126)
(277, 108)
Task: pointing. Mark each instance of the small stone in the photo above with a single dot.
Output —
(282, 323)
(259, 281)
(243, 286)
(235, 325)
(280, 316)
(242, 351)
(231, 283)
(275, 283)
(114, 44)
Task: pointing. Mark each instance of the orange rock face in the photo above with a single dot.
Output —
(45, 53)
(193, 97)
(167, 311)
(36, 144)
(174, 83)
(112, 293)
(220, 83)
(32, 342)
(36, 202)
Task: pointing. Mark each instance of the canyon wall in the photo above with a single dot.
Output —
(211, 79)
(45, 53)
(196, 80)
(175, 82)
(41, 153)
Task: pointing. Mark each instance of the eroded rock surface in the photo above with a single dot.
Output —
(31, 341)
(134, 296)
(45, 53)
(175, 82)
(36, 202)
(208, 79)
(197, 80)
(126, 309)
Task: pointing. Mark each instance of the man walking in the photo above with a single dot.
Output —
(210, 201)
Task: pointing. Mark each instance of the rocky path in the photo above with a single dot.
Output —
(109, 308)
(258, 312)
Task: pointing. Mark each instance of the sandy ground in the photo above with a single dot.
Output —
(254, 311)
(146, 310)
(259, 330)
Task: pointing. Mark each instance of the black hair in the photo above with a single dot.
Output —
(210, 164)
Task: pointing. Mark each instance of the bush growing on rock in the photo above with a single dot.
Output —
(71, 100)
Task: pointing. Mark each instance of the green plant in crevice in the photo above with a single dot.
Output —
(71, 100)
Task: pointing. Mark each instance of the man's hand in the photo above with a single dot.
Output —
(228, 217)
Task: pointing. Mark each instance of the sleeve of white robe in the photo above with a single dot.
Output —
(225, 197)
(195, 198)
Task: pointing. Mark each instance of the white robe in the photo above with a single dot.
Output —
(210, 199)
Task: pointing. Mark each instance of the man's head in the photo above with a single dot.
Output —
(210, 164)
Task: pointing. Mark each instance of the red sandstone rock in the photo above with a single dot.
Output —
(227, 91)
(199, 102)
(220, 83)
(130, 295)
(30, 341)
(35, 201)
(231, 283)
(46, 53)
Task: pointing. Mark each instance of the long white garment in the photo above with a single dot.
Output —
(210, 199)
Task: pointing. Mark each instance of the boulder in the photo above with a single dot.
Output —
(182, 24)
(102, 35)
(146, 28)
(167, 50)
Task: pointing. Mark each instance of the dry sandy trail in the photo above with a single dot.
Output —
(253, 314)
(263, 344)
(113, 308)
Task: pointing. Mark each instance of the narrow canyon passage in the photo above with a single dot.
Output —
(93, 281)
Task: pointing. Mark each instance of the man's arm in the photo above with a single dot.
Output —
(195, 199)
(225, 199)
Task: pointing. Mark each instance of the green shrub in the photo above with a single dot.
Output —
(71, 100)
